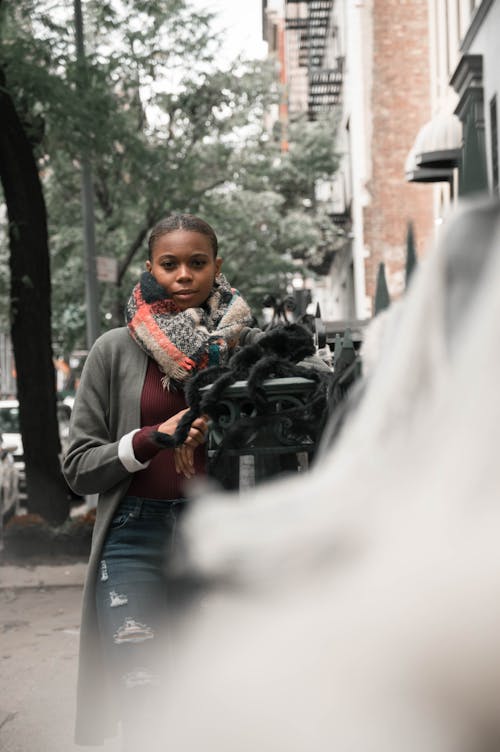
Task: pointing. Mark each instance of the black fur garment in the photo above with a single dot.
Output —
(276, 354)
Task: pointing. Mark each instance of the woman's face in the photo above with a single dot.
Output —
(183, 263)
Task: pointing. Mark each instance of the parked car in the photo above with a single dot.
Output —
(9, 428)
(9, 482)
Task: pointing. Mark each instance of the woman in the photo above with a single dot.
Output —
(182, 316)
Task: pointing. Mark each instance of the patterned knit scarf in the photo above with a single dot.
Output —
(183, 342)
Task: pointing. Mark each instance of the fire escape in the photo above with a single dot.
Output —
(314, 31)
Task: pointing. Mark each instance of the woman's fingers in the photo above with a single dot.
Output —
(177, 462)
(184, 455)
(184, 460)
(198, 432)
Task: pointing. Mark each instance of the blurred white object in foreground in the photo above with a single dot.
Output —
(364, 612)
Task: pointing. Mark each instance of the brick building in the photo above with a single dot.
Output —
(416, 86)
(397, 101)
(368, 59)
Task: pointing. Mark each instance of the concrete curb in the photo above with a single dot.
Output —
(42, 576)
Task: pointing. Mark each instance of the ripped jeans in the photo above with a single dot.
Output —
(132, 602)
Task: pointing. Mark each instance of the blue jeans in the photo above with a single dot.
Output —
(132, 606)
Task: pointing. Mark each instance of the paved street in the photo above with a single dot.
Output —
(39, 626)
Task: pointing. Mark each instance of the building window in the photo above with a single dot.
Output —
(494, 142)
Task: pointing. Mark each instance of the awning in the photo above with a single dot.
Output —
(417, 173)
(436, 151)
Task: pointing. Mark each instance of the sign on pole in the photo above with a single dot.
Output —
(107, 269)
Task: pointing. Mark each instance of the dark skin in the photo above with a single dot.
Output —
(183, 262)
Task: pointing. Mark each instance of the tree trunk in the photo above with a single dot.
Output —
(31, 316)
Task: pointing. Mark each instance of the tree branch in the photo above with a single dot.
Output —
(132, 250)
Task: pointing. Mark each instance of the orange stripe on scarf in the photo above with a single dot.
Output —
(144, 316)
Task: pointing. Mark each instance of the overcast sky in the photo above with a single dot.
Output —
(242, 22)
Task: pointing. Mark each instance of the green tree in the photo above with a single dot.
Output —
(382, 298)
(164, 149)
(267, 216)
(411, 253)
(166, 130)
(169, 131)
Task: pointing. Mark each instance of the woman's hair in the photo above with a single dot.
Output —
(182, 222)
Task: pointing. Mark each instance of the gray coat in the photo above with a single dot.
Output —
(107, 406)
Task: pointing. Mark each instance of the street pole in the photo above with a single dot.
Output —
(91, 285)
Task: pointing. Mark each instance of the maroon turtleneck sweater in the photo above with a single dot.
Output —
(159, 480)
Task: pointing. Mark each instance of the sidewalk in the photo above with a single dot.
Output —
(40, 607)
(14, 576)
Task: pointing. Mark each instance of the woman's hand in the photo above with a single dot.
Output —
(184, 455)
(170, 425)
(184, 461)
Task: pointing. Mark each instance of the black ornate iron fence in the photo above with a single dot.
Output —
(257, 435)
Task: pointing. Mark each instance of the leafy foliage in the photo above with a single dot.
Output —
(165, 130)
